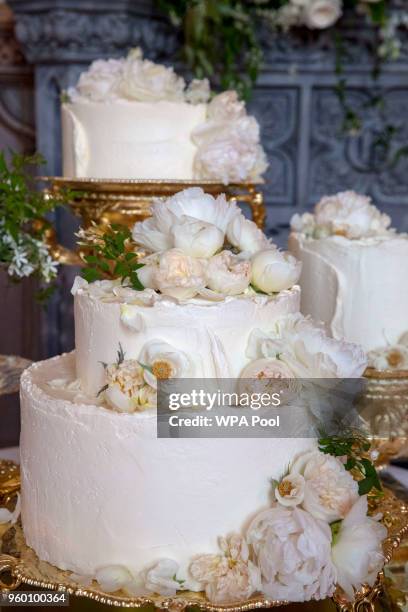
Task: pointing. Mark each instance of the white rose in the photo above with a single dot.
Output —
(290, 492)
(357, 549)
(226, 106)
(101, 81)
(307, 350)
(197, 238)
(274, 270)
(161, 578)
(292, 550)
(230, 576)
(246, 236)
(350, 214)
(321, 14)
(146, 81)
(330, 491)
(262, 376)
(164, 361)
(178, 275)
(227, 274)
(198, 92)
(304, 224)
(155, 234)
(112, 578)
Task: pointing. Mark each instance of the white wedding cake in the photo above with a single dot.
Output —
(353, 270)
(133, 119)
(103, 497)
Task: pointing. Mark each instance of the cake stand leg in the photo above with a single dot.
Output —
(365, 599)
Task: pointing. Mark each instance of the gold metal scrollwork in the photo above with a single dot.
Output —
(7, 567)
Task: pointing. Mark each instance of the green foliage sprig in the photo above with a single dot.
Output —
(355, 447)
(113, 254)
(24, 228)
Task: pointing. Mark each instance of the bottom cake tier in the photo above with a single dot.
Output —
(100, 489)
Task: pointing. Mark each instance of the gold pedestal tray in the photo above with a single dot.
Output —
(107, 201)
(20, 565)
(384, 409)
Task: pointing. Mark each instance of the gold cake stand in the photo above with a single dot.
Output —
(19, 565)
(107, 201)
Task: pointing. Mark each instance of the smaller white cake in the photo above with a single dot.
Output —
(354, 270)
(134, 119)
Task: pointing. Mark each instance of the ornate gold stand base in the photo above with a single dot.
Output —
(107, 201)
(20, 565)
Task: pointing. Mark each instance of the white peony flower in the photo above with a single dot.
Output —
(127, 390)
(306, 349)
(161, 578)
(198, 92)
(290, 492)
(357, 549)
(262, 376)
(165, 362)
(246, 236)
(330, 491)
(11, 517)
(227, 274)
(178, 275)
(304, 224)
(274, 270)
(351, 215)
(266, 368)
(155, 234)
(113, 578)
(321, 14)
(228, 142)
(292, 550)
(230, 576)
(229, 153)
(145, 81)
(100, 82)
(196, 238)
(389, 357)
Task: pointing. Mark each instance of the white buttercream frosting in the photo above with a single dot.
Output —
(357, 287)
(107, 314)
(99, 489)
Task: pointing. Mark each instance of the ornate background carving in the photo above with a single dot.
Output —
(294, 101)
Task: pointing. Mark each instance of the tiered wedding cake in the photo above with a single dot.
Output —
(104, 497)
(352, 270)
(133, 119)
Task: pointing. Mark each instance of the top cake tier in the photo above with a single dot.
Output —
(133, 119)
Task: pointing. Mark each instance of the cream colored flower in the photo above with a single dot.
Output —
(196, 238)
(290, 491)
(229, 576)
(292, 550)
(6, 516)
(155, 233)
(351, 215)
(161, 578)
(274, 270)
(269, 375)
(164, 362)
(100, 82)
(246, 236)
(198, 91)
(321, 14)
(357, 549)
(304, 224)
(112, 578)
(306, 349)
(389, 358)
(330, 491)
(227, 274)
(178, 275)
(145, 81)
(127, 390)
